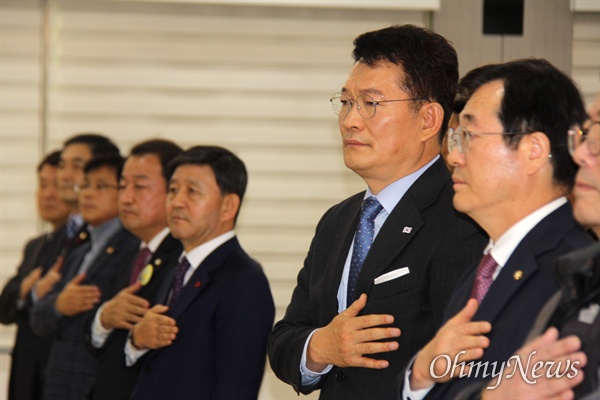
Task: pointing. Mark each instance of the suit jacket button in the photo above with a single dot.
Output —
(340, 376)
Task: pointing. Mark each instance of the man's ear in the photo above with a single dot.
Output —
(432, 115)
(230, 207)
(536, 148)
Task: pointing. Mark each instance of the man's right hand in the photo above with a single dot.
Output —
(76, 298)
(154, 329)
(125, 309)
(459, 339)
(47, 282)
(348, 337)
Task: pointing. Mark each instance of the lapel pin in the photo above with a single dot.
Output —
(110, 250)
(157, 262)
(146, 275)
(518, 275)
(407, 229)
(197, 284)
(83, 236)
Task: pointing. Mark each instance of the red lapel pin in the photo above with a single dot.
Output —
(197, 284)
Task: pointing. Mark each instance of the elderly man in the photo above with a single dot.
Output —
(512, 170)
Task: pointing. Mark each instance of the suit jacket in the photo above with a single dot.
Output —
(71, 368)
(512, 303)
(423, 233)
(30, 353)
(574, 310)
(224, 314)
(114, 379)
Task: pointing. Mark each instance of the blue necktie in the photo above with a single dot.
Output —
(362, 242)
(72, 227)
(180, 271)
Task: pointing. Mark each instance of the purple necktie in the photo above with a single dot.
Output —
(180, 271)
(362, 242)
(484, 277)
(141, 258)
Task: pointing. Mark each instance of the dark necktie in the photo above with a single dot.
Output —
(180, 271)
(72, 228)
(484, 277)
(362, 242)
(141, 259)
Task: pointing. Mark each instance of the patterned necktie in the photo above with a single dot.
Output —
(141, 258)
(484, 277)
(362, 242)
(72, 227)
(180, 271)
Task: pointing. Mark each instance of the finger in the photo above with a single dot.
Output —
(133, 288)
(372, 320)
(356, 307)
(36, 273)
(466, 314)
(474, 328)
(77, 279)
(57, 264)
(373, 334)
(371, 363)
(136, 301)
(376, 347)
(159, 309)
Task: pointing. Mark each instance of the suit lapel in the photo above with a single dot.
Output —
(201, 277)
(523, 262)
(402, 224)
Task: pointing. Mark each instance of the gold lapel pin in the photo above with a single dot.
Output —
(110, 250)
(157, 262)
(518, 275)
(83, 235)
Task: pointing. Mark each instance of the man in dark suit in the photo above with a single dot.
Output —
(29, 354)
(88, 277)
(575, 310)
(210, 341)
(512, 170)
(142, 197)
(349, 330)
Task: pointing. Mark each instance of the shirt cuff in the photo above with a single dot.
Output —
(407, 392)
(132, 355)
(309, 377)
(99, 333)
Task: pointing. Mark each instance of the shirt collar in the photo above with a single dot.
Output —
(392, 193)
(508, 242)
(198, 254)
(153, 244)
(103, 231)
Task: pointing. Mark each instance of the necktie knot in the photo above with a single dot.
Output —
(363, 238)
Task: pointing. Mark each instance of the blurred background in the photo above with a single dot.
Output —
(253, 76)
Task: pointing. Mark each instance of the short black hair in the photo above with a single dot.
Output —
(230, 172)
(165, 150)
(429, 62)
(97, 143)
(52, 159)
(537, 98)
(114, 161)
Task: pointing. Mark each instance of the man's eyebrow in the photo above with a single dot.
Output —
(462, 117)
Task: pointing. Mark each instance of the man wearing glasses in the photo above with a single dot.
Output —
(383, 263)
(512, 170)
(88, 279)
